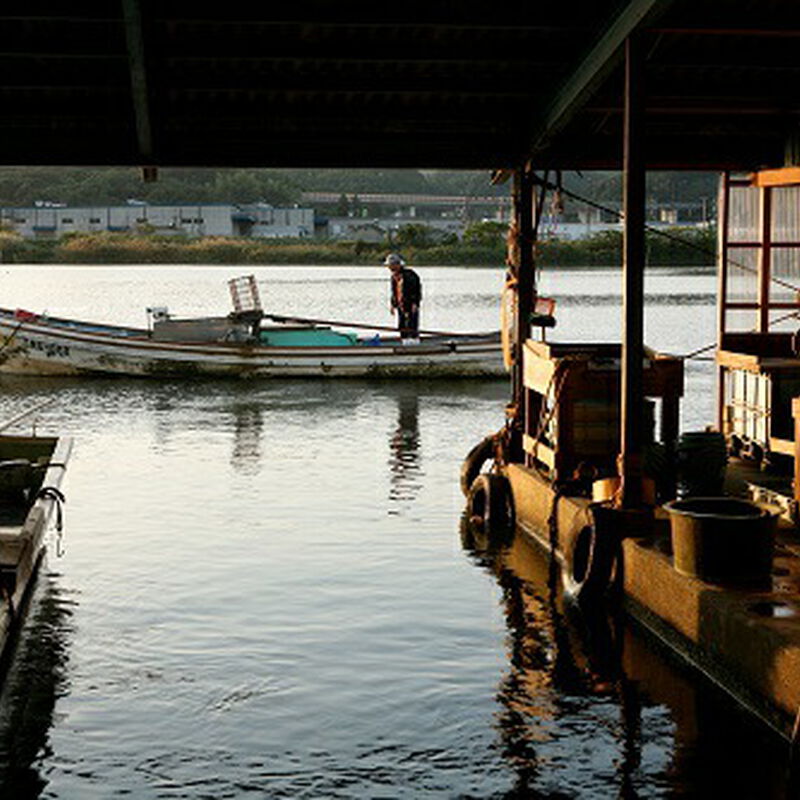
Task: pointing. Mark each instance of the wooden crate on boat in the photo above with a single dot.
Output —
(572, 397)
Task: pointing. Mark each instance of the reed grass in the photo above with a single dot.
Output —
(601, 249)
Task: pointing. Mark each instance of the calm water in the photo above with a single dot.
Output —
(266, 589)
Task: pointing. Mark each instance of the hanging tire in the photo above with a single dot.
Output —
(591, 568)
(474, 462)
(490, 504)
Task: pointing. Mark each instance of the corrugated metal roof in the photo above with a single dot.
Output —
(422, 84)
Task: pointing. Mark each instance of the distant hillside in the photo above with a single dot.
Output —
(75, 186)
(662, 187)
(22, 186)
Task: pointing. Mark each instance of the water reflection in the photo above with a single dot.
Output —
(589, 707)
(405, 476)
(247, 436)
(651, 299)
(557, 668)
(33, 682)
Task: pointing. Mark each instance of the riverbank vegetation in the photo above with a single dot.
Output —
(483, 242)
(482, 245)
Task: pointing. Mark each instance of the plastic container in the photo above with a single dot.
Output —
(722, 539)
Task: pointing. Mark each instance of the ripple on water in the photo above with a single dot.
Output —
(264, 590)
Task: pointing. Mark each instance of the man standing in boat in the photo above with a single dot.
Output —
(406, 297)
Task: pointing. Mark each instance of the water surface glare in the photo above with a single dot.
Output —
(267, 589)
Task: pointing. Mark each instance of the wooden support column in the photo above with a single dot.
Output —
(723, 217)
(632, 400)
(796, 415)
(670, 420)
(764, 258)
(140, 91)
(525, 277)
(523, 271)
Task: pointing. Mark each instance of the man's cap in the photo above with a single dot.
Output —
(394, 260)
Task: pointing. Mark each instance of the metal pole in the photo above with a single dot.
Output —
(632, 389)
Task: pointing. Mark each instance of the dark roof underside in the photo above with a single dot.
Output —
(416, 84)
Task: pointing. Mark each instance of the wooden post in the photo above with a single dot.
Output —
(632, 400)
(764, 258)
(670, 418)
(513, 260)
(525, 276)
(523, 220)
(723, 217)
(796, 415)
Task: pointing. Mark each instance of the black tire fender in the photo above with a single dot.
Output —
(590, 569)
(490, 502)
(474, 462)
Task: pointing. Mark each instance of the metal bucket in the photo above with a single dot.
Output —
(722, 539)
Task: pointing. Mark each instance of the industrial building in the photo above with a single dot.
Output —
(257, 220)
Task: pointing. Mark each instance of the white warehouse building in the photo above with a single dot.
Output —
(258, 220)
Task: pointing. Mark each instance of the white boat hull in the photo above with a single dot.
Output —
(36, 346)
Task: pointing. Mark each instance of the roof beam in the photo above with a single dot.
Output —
(762, 33)
(603, 56)
(140, 95)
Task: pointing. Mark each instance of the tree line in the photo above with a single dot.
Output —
(81, 186)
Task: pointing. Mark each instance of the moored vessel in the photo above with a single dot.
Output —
(240, 344)
(693, 533)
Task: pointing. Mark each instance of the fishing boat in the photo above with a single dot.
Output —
(245, 343)
(696, 537)
(31, 472)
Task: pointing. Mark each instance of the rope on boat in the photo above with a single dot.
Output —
(11, 336)
(794, 755)
(7, 594)
(695, 353)
(657, 231)
(546, 411)
(23, 414)
(552, 535)
(57, 496)
(558, 187)
(362, 325)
